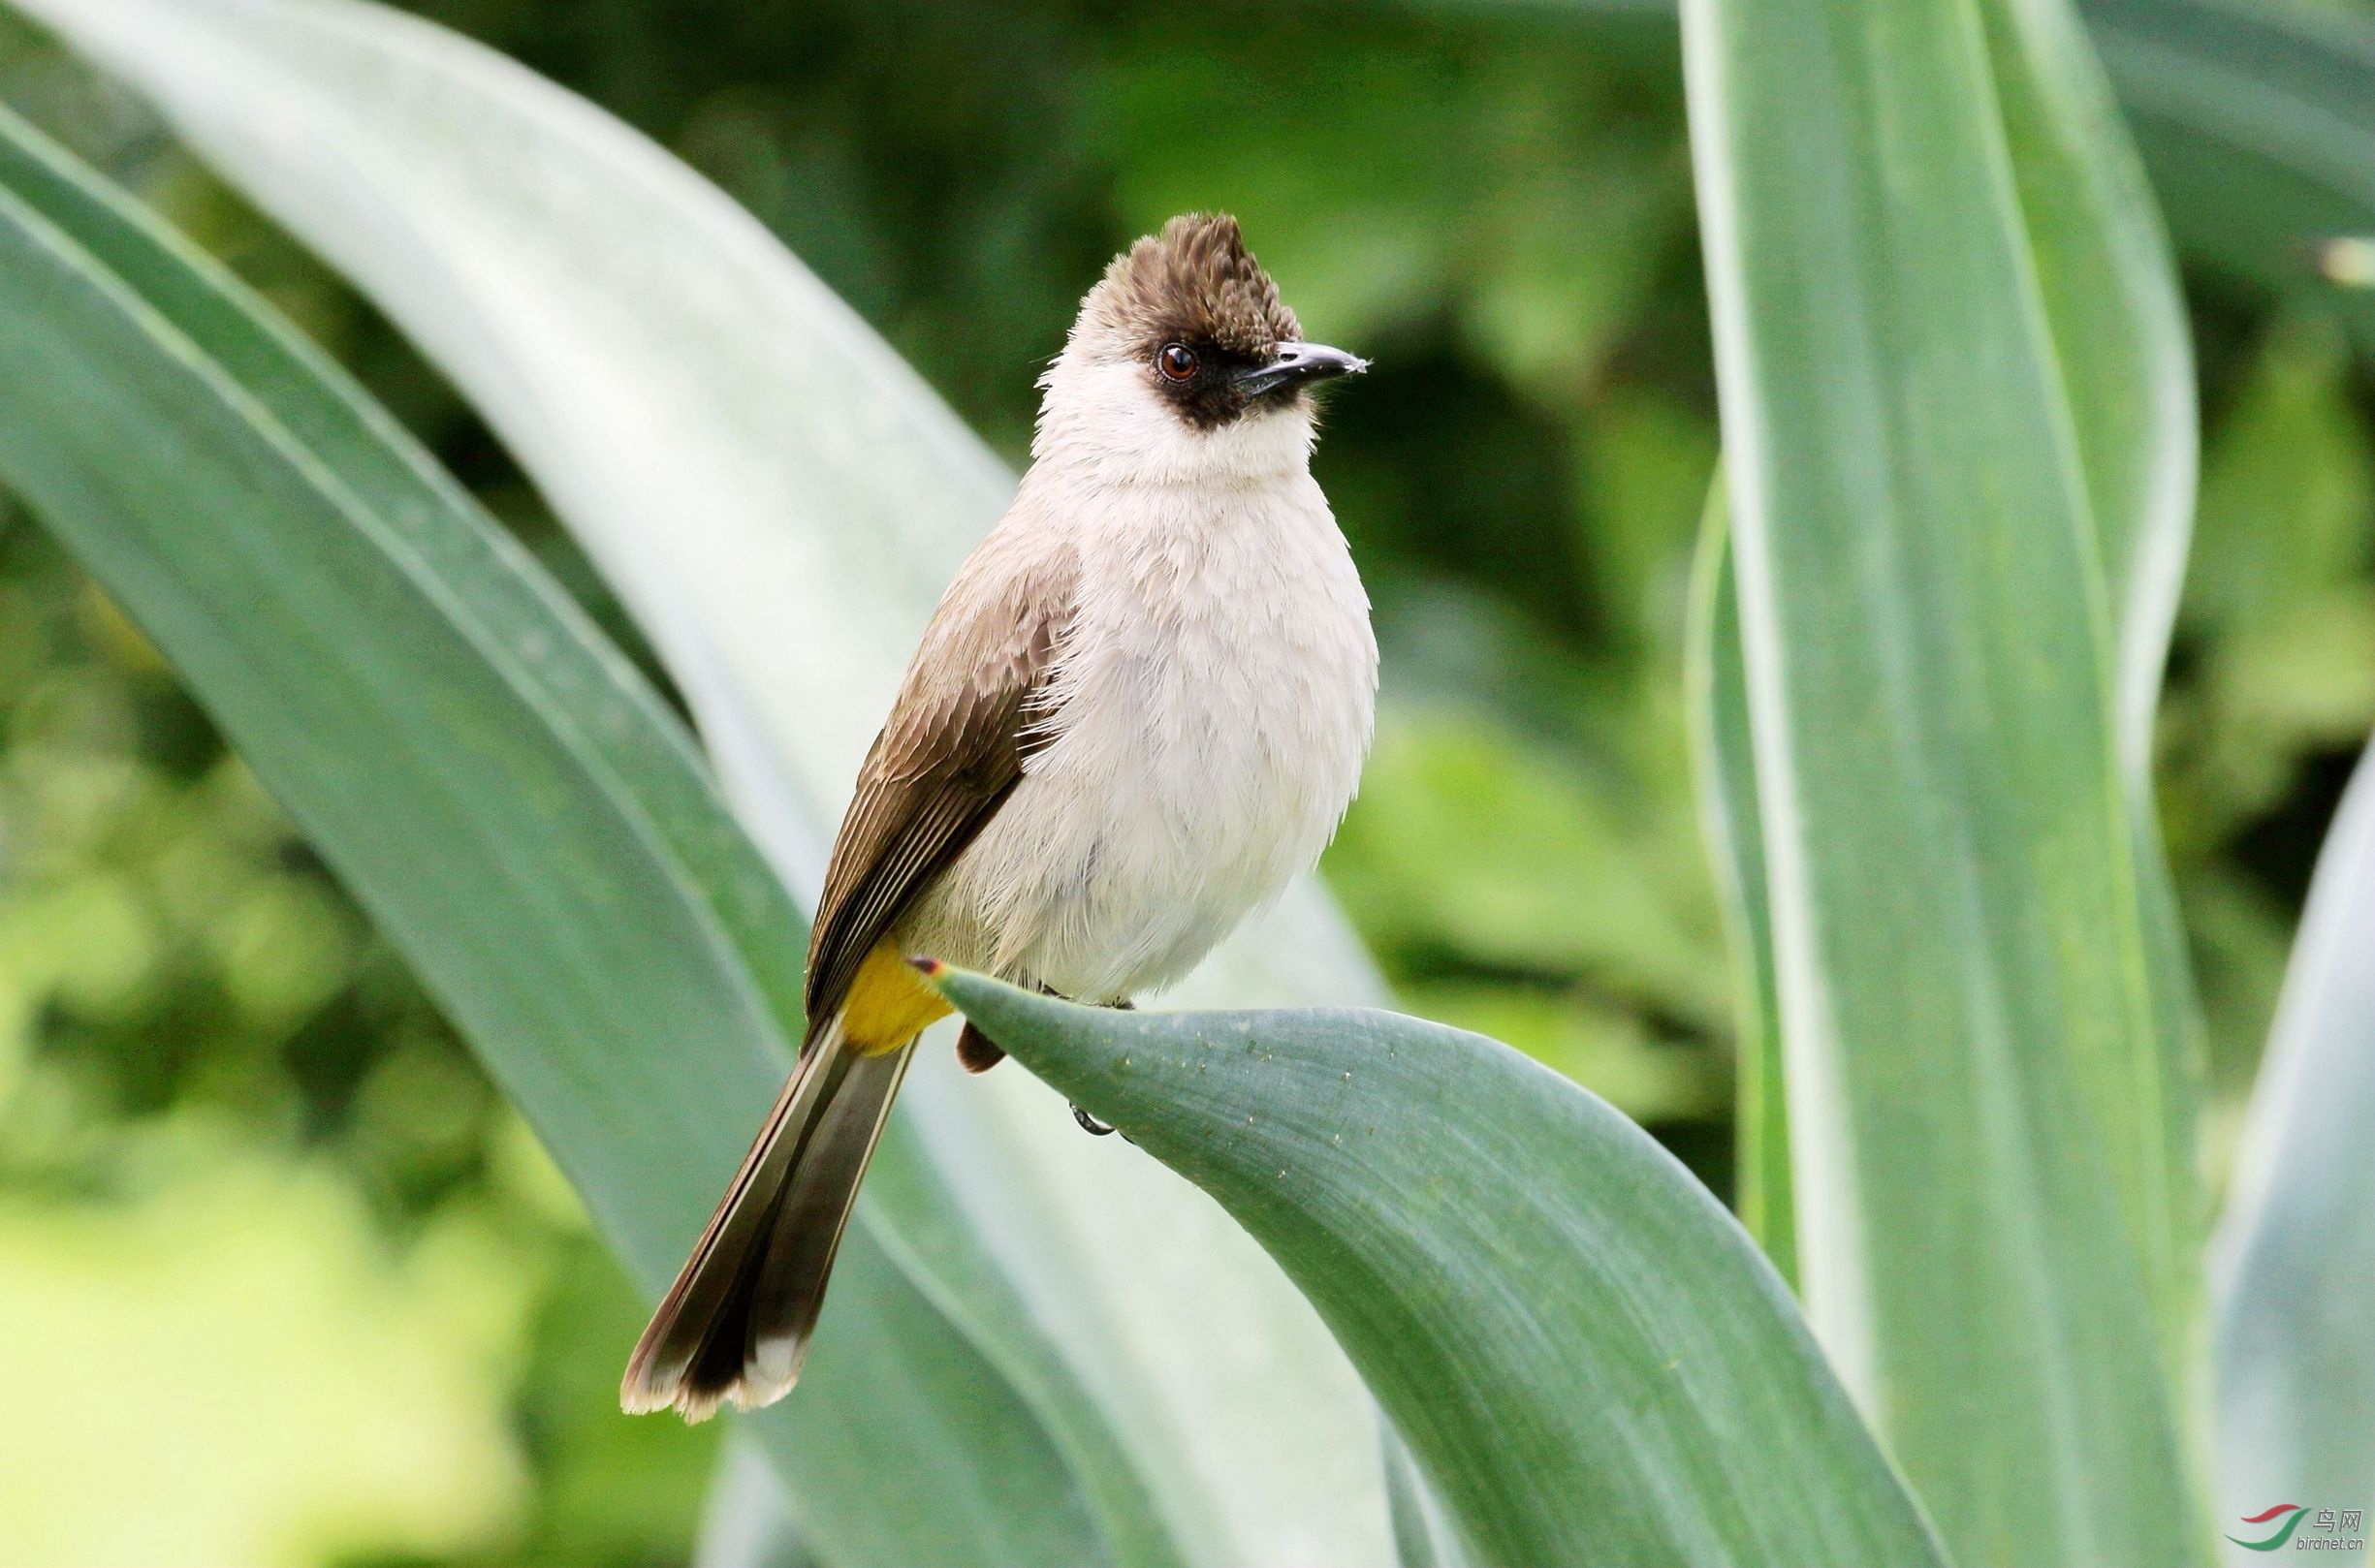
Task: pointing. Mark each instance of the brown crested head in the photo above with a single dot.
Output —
(1195, 283)
(1193, 309)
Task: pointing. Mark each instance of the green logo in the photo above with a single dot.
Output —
(2292, 1513)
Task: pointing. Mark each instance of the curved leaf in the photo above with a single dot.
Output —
(1724, 766)
(1588, 1359)
(779, 502)
(501, 791)
(2296, 1254)
(2121, 347)
(1424, 1535)
(1919, 224)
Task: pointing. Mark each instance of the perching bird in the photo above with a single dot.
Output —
(1139, 711)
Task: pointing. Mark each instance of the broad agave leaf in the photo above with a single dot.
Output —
(2297, 1247)
(1588, 1360)
(512, 804)
(1959, 443)
(780, 500)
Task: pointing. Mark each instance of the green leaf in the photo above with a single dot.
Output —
(515, 808)
(2258, 122)
(779, 501)
(2297, 1253)
(1958, 443)
(1725, 768)
(1588, 1360)
(2121, 344)
(1424, 1535)
(745, 1523)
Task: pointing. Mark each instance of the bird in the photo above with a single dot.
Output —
(1140, 710)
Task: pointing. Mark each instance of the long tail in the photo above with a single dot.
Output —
(737, 1323)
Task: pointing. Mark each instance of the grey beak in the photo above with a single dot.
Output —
(1297, 365)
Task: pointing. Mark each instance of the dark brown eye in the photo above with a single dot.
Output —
(1177, 362)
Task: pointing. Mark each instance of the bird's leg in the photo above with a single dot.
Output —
(1088, 1123)
(976, 1053)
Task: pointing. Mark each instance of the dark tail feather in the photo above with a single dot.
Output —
(736, 1323)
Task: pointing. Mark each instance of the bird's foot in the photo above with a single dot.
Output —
(1088, 1123)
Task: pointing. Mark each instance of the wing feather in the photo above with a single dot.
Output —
(975, 704)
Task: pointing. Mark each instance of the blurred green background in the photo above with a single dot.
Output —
(286, 1281)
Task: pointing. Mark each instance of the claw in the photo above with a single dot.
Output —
(1090, 1124)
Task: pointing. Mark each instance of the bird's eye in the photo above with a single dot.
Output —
(1177, 362)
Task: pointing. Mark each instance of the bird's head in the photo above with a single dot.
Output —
(1185, 364)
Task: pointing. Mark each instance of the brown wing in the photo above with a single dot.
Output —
(971, 710)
